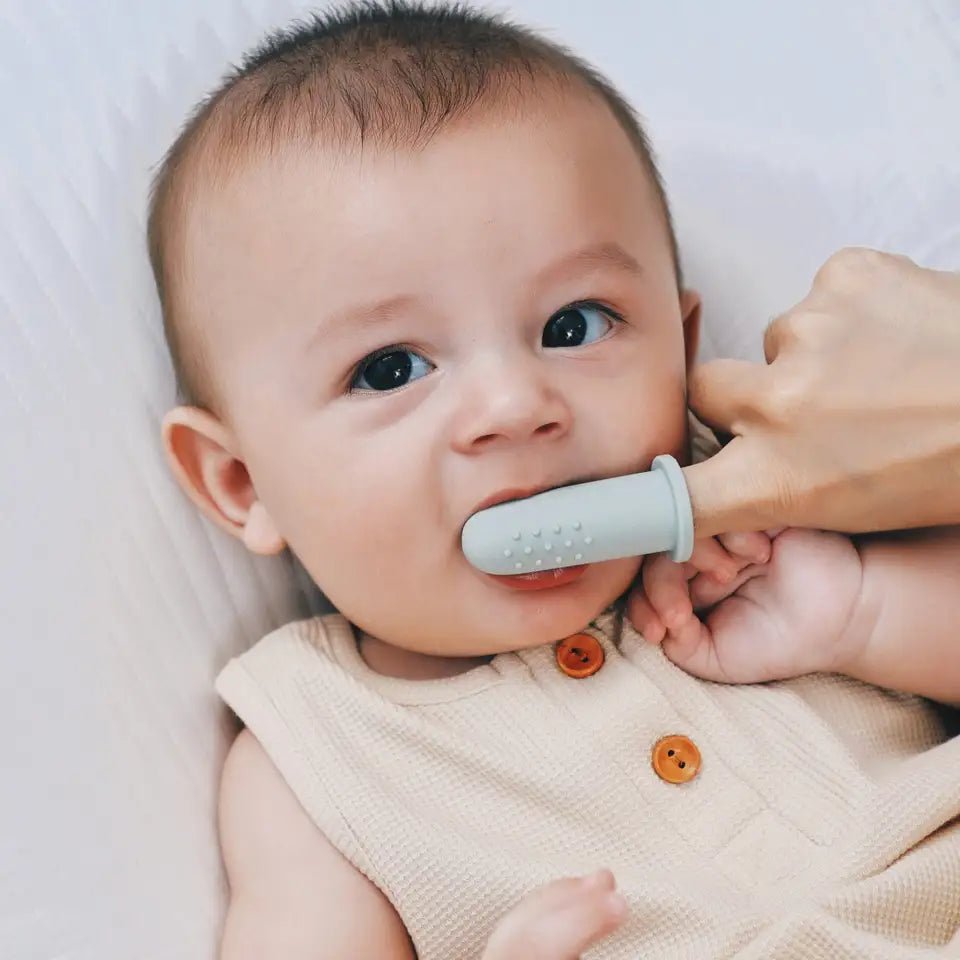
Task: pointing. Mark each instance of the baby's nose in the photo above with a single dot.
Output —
(513, 402)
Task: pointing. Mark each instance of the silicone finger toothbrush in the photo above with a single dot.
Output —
(626, 516)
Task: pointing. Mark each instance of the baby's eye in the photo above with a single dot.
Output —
(577, 324)
(387, 370)
(395, 367)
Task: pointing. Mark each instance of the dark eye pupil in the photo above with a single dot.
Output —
(566, 329)
(388, 371)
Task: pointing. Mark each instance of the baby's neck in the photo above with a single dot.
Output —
(394, 662)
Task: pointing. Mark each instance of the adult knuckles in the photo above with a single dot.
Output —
(783, 331)
(808, 327)
(851, 269)
(786, 400)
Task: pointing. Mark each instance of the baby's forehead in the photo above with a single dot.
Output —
(483, 181)
(542, 133)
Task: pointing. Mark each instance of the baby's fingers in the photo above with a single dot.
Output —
(559, 921)
(705, 592)
(753, 547)
(710, 557)
(643, 617)
(666, 590)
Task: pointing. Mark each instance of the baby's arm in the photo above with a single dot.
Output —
(292, 894)
(906, 623)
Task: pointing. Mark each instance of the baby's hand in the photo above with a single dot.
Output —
(559, 921)
(770, 606)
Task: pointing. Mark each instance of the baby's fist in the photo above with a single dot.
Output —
(667, 594)
(776, 619)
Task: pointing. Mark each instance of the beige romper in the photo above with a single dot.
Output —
(822, 822)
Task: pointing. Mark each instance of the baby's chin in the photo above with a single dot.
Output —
(513, 619)
(477, 617)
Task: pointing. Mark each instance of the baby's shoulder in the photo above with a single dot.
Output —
(281, 866)
(297, 644)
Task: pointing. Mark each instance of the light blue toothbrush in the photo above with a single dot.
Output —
(625, 516)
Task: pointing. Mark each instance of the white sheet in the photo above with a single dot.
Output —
(784, 133)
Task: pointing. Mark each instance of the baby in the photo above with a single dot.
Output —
(414, 262)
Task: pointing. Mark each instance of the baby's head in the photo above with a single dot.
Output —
(410, 259)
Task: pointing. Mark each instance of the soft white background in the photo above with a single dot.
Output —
(785, 131)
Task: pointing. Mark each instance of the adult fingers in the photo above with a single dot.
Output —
(725, 393)
(734, 491)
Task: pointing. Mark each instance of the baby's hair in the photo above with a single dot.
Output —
(394, 73)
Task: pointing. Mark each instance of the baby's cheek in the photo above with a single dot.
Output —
(616, 577)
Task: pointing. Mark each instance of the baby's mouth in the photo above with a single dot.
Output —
(541, 579)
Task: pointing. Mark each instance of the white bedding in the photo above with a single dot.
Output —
(784, 133)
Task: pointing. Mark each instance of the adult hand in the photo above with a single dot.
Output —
(854, 423)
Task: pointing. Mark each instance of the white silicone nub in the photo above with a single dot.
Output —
(624, 516)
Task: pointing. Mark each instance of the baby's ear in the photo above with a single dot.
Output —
(690, 313)
(199, 450)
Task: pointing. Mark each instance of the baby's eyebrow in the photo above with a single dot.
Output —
(607, 253)
(363, 315)
(591, 257)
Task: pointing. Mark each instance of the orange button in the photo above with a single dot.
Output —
(676, 759)
(580, 655)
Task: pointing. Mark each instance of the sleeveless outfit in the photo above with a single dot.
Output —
(820, 822)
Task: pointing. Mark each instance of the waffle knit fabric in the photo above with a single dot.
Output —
(823, 823)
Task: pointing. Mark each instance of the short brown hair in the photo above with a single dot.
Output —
(393, 70)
